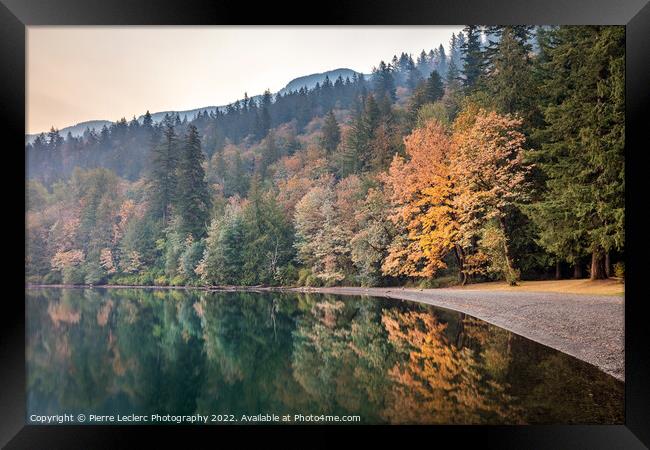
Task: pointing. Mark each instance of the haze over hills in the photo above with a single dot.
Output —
(307, 81)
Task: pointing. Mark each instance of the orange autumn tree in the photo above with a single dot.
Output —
(491, 180)
(421, 191)
(455, 193)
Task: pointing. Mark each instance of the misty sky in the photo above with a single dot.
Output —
(76, 74)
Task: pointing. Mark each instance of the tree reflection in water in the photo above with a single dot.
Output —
(108, 351)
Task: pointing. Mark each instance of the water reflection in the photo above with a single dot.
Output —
(109, 351)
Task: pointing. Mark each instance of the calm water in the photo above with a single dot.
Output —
(136, 351)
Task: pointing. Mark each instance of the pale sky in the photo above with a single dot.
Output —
(75, 74)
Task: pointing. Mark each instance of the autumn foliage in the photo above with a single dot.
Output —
(505, 164)
(450, 187)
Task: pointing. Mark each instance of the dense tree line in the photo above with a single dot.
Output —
(501, 158)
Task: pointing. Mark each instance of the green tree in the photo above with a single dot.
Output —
(429, 91)
(357, 152)
(331, 133)
(384, 82)
(509, 81)
(267, 238)
(582, 155)
(192, 200)
(222, 260)
(472, 55)
(162, 178)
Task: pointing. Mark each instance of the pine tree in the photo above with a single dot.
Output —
(384, 82)
(270, 154)
(162, 179)
(265, 115)
(267, 237)
(147, 121)
(428, 91)
(509, 81)
(433, 88)
(222, 260)
(453, 88)
(442, 61)
(472, 55)
(192, 202)
(357, 152)
(583, 209)
(331, 133)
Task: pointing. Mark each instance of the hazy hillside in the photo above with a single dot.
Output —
(76, 130)
(307, 81)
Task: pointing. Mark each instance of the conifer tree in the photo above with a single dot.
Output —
(442, 61)
(331, 133)
(192, 200)
(428, 91)
(147, 121)
(472, 56)
(582, 155)
(384, 83)
(162, 179)
(433, 87)
(509, 81)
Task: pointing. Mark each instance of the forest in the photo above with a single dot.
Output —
(500, 157)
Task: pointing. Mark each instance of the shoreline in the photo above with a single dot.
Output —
(587, 327)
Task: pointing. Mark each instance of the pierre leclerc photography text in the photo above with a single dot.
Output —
(188, 419)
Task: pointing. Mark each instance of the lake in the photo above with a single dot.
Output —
(258, 357)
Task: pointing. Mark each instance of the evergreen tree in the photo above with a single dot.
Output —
(582, 155)
(265, 115)
(147, 121)
(267, 237)
(453, 87)
(384, 83)
(357, 152)
(428, 91)
(331, 133)
(192, 201)
(162, 178)
(510, 80)
(223, 260)
(433, 89)
(442, 61)
(472, 55)
(413, 78)
(270, 154)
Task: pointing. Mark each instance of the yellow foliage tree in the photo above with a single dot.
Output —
(449, 189)
(421, 190)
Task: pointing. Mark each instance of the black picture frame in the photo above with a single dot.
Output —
(16, 15)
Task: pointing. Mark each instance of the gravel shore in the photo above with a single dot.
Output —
(590, 328)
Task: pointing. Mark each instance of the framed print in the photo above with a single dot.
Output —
(417, 219)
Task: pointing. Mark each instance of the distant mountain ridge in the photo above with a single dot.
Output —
(307, 81)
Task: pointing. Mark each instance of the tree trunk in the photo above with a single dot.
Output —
(597, 264)
(608, 266)
(558, 271)
(513, 278)
(577, 270)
